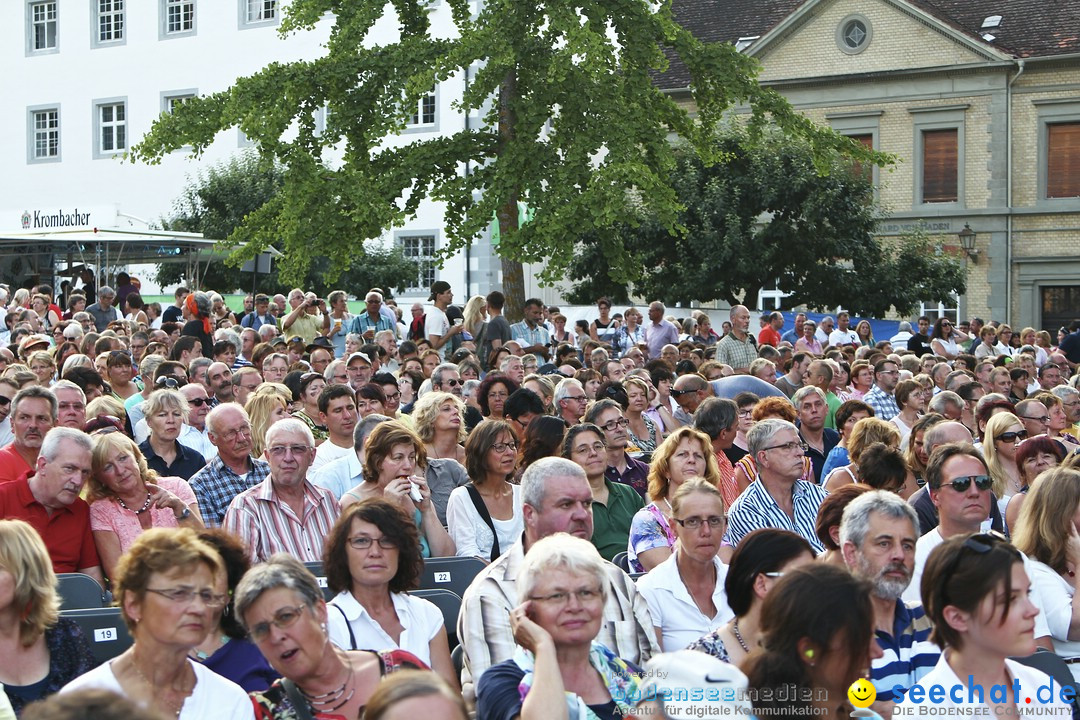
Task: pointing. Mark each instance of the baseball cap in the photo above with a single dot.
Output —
(438, 287)
(687, 681)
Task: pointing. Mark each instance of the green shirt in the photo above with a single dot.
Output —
(834, 404)
(611, 522)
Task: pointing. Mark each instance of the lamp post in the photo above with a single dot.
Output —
(967, 242)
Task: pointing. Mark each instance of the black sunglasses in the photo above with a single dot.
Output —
(199, 402)
(980, 543)
(4, 400)
(680, 393)
(172, 383)
(1012, 436)
(961, 484)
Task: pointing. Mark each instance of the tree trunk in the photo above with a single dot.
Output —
(507, 214)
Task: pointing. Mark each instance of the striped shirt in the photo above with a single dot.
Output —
(884, 404)
(908, 653)
(267, 525)
(756, 509)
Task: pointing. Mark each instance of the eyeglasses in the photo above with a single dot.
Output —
(230, 436)
(714, 521)
(198, 402)
(1012, 436)
(363, 542)
(4, 401)
(186, 595)
(393, 397)
(961, 484)
(680, 393)
(596, 447)
(280, 451)
(788, 446)
(578, 398)
(1044, 419)
(746, 413)
(283, 618)
(503, 447)
(452, 382)
(561, 599)
(613, 425)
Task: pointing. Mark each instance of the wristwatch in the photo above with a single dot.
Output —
(184, 515)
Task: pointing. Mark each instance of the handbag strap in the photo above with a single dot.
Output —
(299, 702)
(352, 636)
(481, 508)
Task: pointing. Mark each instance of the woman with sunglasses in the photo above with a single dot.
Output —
(127, 498)
(165, 588)
(485, 516)
(975, 592)
(282, 607)
(945, 339)
(685, 593)
(372, 561)
(1004, 432)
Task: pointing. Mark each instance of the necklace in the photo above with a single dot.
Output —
(201, 655)
(738, 635)
(140, 511)
(327, 699)
(671, 510)
(169, 706)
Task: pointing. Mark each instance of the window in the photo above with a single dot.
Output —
(861, 126)
(43, 134)
(1059, 303)
(257, 11)
(171, 100)
(178, 17)
(1063, 160)
(44, 26)
(421, 249)
(109, 28)
(863, 169)
(854, 34)
(941, 309)
(940, 156)
(110, 117)
(425, 111)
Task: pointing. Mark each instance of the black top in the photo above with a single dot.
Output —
(194, 328)
(187, 462)
(69, 657)
(920, 345)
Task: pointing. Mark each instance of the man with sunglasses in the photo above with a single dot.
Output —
(689, 391)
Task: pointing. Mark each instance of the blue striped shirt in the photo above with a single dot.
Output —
(755, 509)
(908, 652)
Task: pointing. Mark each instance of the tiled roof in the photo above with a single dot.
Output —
(1029, 28)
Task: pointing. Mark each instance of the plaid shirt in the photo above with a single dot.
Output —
(738, 354)
(267, 525)
(362, 323)
(884, 404)
(484, 621)
(216, 485)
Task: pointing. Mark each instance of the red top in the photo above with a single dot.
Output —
(768, 336)
(12, 465)
(66, 532)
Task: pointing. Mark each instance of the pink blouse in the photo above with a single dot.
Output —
(107, 514)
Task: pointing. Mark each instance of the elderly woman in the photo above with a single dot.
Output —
(1033, 456)
(42, 651)
(43, 365)
(686, 453)
(165, 586)
(372, 561)
(758, 563)
(282, 607)
(808, 343)
(558, 670)
(1047, 533)
(265, 407)
(485, 516)
(166, 412)
(439, 419)
(492, 394)
(685, 593)
(307, 394)
(127, 498)
(226, 649)
(393, 454)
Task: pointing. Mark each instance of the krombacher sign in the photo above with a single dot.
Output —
(42, 220)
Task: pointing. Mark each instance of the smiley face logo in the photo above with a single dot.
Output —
(862, 693)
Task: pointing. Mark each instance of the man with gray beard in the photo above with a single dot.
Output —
(877, 537)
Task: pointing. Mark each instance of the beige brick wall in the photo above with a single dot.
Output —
(898, 42)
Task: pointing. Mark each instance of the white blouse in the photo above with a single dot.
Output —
(420, 619)
(472, 536)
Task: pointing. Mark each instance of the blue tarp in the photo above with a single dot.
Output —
(882, 329)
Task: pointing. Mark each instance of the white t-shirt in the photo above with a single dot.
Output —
(843, 337)
(472, 536)
(1057, 596)
(213, 696)
(326, 452)
(437, 324)
(421, 621)
(674, 611)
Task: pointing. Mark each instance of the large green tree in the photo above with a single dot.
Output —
(217, 200)
(572, 123)
(767, 213)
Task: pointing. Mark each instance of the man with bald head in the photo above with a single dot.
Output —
(689, 392)
(233, 470)
(659, 332)
(737, 348)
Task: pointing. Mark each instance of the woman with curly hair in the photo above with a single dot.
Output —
(493, 393)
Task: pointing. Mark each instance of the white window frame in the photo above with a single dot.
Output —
(169, 97)
(166, 5)
(249, 11)
(117, 12)
(429, 271)
(32, 23)
(101, 125)
(941, 310)
(416, 123)
(32, 114)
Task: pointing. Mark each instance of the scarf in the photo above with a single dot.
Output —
(193, 308)
(622, 684)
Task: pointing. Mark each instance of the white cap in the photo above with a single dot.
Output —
(688, 680)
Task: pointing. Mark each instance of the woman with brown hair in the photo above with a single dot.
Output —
(485, 516)
(372, 561)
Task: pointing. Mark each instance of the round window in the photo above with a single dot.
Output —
(853, 34)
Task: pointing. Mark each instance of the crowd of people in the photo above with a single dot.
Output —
(659, 507)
